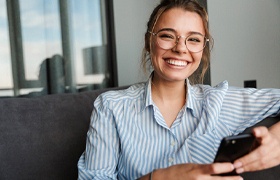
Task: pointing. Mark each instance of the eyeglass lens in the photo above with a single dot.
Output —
(194, 42)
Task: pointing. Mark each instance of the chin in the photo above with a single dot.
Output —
(178, 78)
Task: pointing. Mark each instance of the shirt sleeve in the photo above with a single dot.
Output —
(244, 107)
(99, 161)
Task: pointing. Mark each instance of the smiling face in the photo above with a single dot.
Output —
(178, 63)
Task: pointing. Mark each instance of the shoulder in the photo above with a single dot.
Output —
(128, 93)
(132, 93)
(205, 90)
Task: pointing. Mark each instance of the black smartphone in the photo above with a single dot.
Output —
(234, 147)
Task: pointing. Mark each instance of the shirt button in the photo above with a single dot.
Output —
(170, 160)
(173, 143)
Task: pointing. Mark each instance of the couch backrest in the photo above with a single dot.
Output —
(43, 138)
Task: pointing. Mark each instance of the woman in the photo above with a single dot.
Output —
(168, 128)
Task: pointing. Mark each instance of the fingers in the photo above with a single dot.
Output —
(212, 171)
(226, 178)
(218, 168)
(262, 134)
(199, 171)
(265, 156)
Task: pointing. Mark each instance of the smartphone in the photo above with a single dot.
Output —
(234, 147)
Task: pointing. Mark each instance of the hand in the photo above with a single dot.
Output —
(196, 171)
(266, 155)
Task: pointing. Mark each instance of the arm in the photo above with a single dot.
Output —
(269, 151)
(192, 171)
(100, 158)
(243, 108)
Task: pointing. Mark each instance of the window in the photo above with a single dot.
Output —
(6, 78)
(56, 46)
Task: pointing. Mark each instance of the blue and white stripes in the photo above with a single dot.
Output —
(128, 137)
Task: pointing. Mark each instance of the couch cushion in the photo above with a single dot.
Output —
(43, 138)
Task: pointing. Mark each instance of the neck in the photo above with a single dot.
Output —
(168, 91)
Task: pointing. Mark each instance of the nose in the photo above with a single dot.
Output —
(180, 45)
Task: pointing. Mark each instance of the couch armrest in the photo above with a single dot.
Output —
(266, 122)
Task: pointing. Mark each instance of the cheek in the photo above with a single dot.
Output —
(197, 57)
(153, 49)
(156, 52)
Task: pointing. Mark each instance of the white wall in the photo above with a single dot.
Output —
(246, 33)
(131, 17)
(247, 41)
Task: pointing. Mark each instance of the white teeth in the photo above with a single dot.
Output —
(177, 62)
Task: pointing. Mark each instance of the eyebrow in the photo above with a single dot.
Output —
(167, 29)
(173, 30)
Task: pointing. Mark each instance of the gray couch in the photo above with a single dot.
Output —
(42, 138)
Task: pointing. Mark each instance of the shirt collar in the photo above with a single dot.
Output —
(191, 98)
(148, 93)
(147, 97)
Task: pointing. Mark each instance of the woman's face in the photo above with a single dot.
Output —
(178, 63)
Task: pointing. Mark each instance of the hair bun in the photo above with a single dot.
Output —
(168, 1)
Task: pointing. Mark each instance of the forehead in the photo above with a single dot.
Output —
(181, 21)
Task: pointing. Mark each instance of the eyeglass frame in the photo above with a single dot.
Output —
(177, 40)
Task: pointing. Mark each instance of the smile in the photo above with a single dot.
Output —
(176, 62)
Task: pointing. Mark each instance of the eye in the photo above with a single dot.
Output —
(195, 39)
(167, 36)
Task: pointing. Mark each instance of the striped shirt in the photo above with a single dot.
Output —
(129, 138)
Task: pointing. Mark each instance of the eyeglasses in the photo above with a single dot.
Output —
(168, 39)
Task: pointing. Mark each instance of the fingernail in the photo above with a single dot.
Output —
(237, 164)
(256, 131)
(239, 170)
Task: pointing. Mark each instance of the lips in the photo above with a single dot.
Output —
(176, 62)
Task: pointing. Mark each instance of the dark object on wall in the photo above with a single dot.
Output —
(250, 84)
(95, 60)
